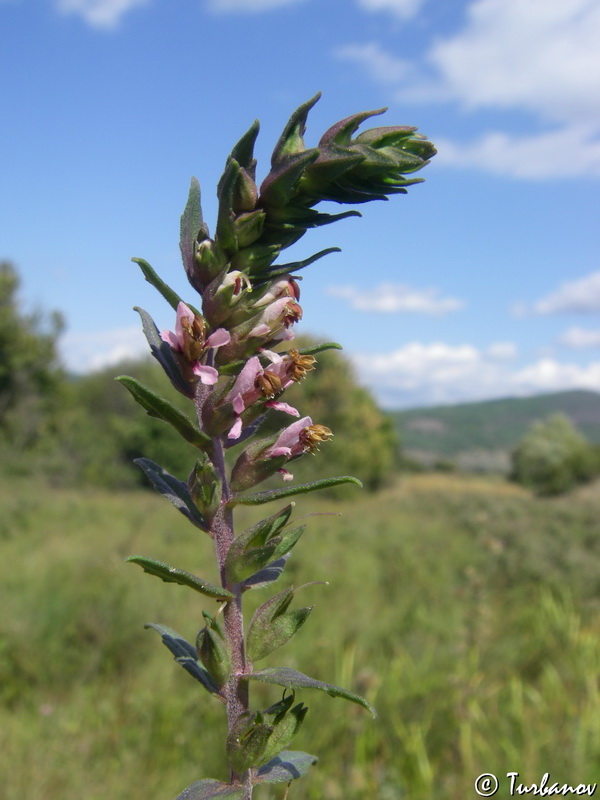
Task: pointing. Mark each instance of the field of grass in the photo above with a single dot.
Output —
(464, 609)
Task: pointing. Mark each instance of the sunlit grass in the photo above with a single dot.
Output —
(465, 610)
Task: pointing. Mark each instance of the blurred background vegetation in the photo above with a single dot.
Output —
(464, 606)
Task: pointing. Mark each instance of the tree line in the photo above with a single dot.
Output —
(73, 430)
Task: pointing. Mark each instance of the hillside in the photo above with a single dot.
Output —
(481, 435)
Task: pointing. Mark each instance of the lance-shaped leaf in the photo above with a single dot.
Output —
(225, 227)
(174, 490)
(192, 229)
(243, 152)
(341, 132)
(292, 139)
(255, 259)
(292, 679)
(289, 491)
(333, 162)
(285, 723)
(255, 547)
(163, 354)
(281, 183)
(165, 290)
(207, 789)
(170, 574)
(273, 625)
(214, 650)
(160, 408)
(287, 766)
(266, 576)
(185, 655)
(319, 348)
(294, 266)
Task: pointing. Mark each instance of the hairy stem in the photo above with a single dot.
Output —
(236, 690)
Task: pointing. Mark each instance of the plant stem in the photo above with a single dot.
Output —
(236, 690)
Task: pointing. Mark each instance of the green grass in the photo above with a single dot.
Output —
(464, 609)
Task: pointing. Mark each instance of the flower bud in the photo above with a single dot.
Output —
(247, 741)
(213, 651)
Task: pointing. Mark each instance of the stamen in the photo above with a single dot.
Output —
(313, 435)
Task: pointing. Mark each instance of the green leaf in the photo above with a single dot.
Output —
(287, 766)
(170, 574)
(225, 235)
(208, 788)
(243, 152)
(291, 679)
(341, 132)
(175, 491)
(185, 655)
(192, 227)
(255, 547)
(214, 650)
(169, 294)
(292, 138)
(288, 491)
(294, 266)
(163, 354)
(319, 348)
(266, 576)
(273, 625)
(281, 183)
(160, 408)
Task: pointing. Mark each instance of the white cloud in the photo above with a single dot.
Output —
(426, 374)
(580, 338)
(393, 298)
(537, 56)
(250, 6)
(548, 375)
(404, 9)
(570, 151)
(502, 351)
(100, 13)
(380, 65)
(87, 351)
(581, 296)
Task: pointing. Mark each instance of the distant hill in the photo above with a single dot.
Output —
(481, 435)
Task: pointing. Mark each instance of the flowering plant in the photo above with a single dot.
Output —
(222, 358)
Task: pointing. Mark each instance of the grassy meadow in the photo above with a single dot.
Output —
(463, 608)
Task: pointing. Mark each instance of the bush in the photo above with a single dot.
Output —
(552, 458)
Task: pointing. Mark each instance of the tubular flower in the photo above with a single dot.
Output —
(277, 318)
(298, 438)
(252, 385)
(285, 286)
(191, 340)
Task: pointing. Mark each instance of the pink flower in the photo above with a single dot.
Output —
(190, 339)
(277, 318)
(298, 438)
(254, 384)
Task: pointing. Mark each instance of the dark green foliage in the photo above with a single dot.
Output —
(553, 458)
(209, 789)
(185, 654)
(490, 428)
(170, 574)
(31, 380)
(292, 679)
(273, 625)
(287, 766)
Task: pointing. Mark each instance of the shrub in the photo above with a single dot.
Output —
(552, 458)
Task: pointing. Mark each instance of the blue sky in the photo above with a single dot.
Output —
(482, 282)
